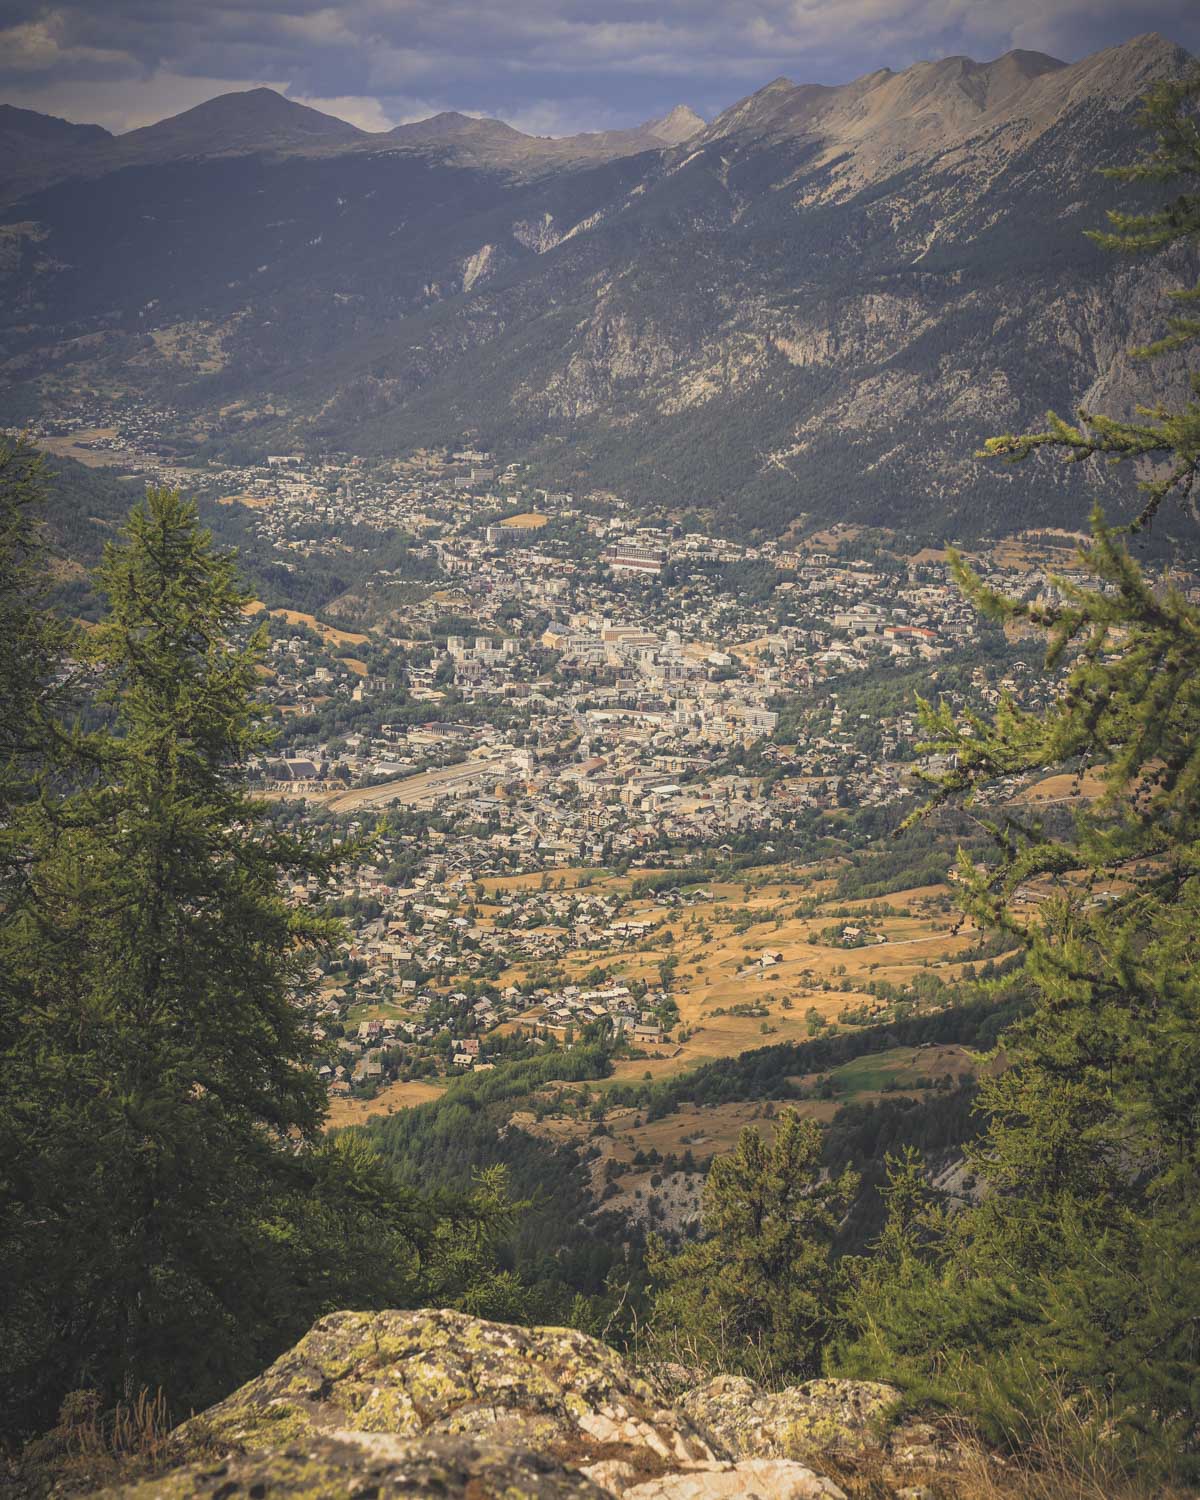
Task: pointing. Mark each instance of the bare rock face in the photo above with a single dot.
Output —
(768, 1478)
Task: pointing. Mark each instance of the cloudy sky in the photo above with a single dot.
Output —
(547, 66)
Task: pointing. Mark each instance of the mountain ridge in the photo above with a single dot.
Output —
(264, 121)
(934, 103)
(818, 305)
(32, 125)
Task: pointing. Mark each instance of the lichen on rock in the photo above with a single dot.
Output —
(340, 1465)
(845, 1420)
(431, 1372)
(842, 1417)
(440, 1404)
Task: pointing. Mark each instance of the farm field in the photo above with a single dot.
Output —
(1067, 786)
(330, 634)
(395, 1096)
(749, 970)
(770, 958)
(77, 447)
(735, 953)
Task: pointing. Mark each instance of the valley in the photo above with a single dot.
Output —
(599, 770)
(619, 780)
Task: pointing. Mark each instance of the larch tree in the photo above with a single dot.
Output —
(1067, 1301)
(756, 1294)
(171, 1212)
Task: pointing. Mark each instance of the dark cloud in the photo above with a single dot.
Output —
(552, 65)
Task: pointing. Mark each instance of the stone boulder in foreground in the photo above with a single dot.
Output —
(442, 1404)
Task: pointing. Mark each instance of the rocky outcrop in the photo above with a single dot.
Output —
(844, 1417)
(849, 1421)
(430, 1373)
(442, 1404)
(769, 1479)
(330, 1466)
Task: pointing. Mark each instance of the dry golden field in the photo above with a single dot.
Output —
(388, 1100)
(718, 946)
(93, 458)
(728, 1001)
(530, 520)
(330, 634)
(1065, 787)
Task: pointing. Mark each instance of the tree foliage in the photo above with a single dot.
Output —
(756, 1294)
(31, 642)
(172, 1213)
(1071, 1286)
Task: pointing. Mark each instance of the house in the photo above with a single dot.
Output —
(648, 1031)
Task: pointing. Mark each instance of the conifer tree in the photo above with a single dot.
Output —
(31, 642)
(170, 1214)
(756, 1294)
(1073, 1287)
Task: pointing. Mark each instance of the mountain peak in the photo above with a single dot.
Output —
(247, 120)
(677, 126)
(1151, 42)
(1150, 54)
(449, 125)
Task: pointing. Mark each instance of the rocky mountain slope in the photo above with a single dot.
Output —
(440, 1403)
(817, 306)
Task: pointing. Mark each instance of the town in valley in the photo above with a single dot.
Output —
(608, 773)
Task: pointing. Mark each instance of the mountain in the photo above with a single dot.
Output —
(252, 120)
(42, 149)
(471, 141)
(23, 128)
(32, 144)
(451, 125)
(262, 122)
(816, 306)
(679, 125)
(885, 119)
